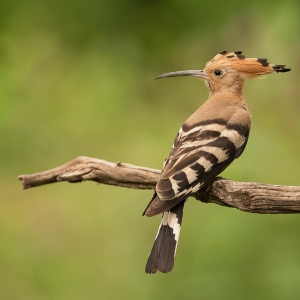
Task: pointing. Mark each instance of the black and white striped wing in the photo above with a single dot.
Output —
(199, 154)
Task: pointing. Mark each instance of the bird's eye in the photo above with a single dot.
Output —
(218, 72)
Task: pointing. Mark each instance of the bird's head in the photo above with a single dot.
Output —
(228, 71)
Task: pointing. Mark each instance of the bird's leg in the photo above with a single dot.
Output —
(205, 190)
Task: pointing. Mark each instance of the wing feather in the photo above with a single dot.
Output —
(198, 155)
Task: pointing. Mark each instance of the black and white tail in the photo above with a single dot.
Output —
(163, 252)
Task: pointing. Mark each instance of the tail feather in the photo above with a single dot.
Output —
(163, 251)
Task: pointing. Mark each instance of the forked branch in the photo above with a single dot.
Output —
(245, 196)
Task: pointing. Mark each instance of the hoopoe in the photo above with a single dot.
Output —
(207, 143)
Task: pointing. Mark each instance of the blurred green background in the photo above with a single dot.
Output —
(76, 78)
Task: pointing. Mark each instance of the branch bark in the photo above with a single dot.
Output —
(245, 196)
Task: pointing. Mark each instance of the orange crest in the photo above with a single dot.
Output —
(251, 67)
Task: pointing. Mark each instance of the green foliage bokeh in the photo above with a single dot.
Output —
(76, 78)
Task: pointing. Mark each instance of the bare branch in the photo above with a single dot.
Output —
(85, 168)
(245, 196)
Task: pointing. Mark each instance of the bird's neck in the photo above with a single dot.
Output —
(235, 88)
(219, 106)
(227, 94)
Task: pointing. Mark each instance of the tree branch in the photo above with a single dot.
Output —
(245, 196)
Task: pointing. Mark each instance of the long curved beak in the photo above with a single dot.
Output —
(196, 73)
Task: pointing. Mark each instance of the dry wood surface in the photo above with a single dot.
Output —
(246, 196)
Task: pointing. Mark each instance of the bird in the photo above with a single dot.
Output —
(205, 145)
